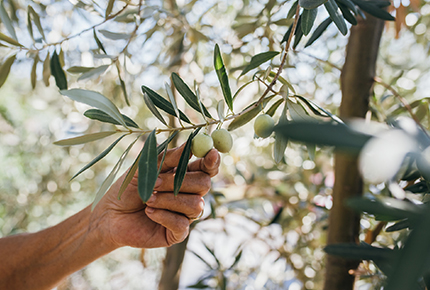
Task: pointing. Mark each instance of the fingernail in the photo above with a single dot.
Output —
(149, 210)
(158, 182)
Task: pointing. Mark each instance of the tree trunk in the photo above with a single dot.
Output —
(356, 85)
(172, 266)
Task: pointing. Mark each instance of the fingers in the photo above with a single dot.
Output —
(172, 158)
(196, 182)
(189, 205)
(176, 224)
(209, 164)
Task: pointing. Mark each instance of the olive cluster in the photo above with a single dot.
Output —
(222, 140)
(203, 143)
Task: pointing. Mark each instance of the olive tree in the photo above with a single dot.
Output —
(142, 71)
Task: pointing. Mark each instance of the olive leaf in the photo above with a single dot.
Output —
(188, 95)
(181, 170)
(147, 173)
(271, 111)
(319, 31)
(94, 72)
(5, 69)
(99, 43)
(96, 114)
(222, 77)
(57, 72)
(109, 8)
(153, 109)
(347, 14)
(172, 99)
(308, 19)
(111, 177)
(221, 109)
(79, 69)
(84, 138)
(311, 4)
(96, 100)
(374, 10)
(9, 40)
(245, 117)
(335, 14)
(280, 141)
(114, 35)
(46, 70)
(33, 74)
(4, 16)
(163, 104)
(36, 20)
(259, 59)
(99, 157)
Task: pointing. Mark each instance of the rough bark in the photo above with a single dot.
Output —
(356, 85)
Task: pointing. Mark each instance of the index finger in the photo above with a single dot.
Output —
(172, 158)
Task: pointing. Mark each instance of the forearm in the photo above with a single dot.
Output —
(41, 260)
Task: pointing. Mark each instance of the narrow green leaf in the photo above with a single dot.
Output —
(163, 104)
(84, 138)
(47, 69)
(203, 260)
(347, 14)
(360, 252)
(335, 14)
(5, 69)
(374, 10)
(99, 43)
(414, 257)
(298, 113)
(94, 72)
(244, 118)
(311, 4)
(129, 176)
(311, 105)
(292, 10)
(339, 136)
(319, 31)
(57, 72)
(283, 81)
(221, 110)
(187, 94)
(111, 177)
(404, 224)
(96, 114)
(9, 40)
(79, 69)
(114, 35)
(274, 107)
(166, 142)
(99, 157)
(387, 209)
(308, 19)
(298, 34)
(280, 141)
(123, 88)
(4, 16)
(259, 59)
(109, 8)
(222, 77)
(350, 5)
(36, 20)
(96, 100)
(147, 173)
(242, 87)
(153, 109)
(30, 25)
(181, 170)
(33, 74)
(172, 99)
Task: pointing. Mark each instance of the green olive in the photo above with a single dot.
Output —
(263, 126)
(222, 140)
(201, 145)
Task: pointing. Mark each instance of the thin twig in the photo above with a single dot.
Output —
(402, 100)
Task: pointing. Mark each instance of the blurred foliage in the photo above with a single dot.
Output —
(265, 222)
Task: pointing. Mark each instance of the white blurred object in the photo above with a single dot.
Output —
(382, 157)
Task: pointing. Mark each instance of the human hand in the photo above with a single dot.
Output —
(164, 220)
